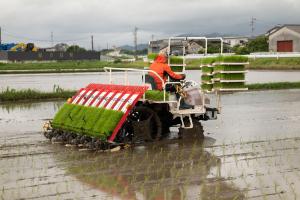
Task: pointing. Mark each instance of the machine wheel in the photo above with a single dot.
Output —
(142, 125)
(196, 131)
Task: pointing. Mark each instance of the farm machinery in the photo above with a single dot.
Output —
(105, 116)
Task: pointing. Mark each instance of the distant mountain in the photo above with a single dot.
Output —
(131, 48)
(206, 35)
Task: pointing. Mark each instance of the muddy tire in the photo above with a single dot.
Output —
(142, 125)
(197, 130)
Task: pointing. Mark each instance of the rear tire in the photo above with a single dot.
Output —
(197, 130)
(141, 125)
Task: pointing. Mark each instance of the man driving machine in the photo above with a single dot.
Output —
(161, 67)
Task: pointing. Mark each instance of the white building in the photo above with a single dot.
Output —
(238, 40)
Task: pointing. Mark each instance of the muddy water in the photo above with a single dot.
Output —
(45, 82)
(251, 151)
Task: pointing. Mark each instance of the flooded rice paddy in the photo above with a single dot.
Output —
(250, 152)
(45, 82)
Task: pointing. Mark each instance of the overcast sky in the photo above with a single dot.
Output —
(112, 21)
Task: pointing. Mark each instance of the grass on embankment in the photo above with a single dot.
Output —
(274, 86)
(90, 66)
(12, 95)
(275, 64)
(68, 65)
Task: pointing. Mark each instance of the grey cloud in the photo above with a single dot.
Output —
(112, 21)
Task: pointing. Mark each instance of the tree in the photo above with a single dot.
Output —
(259, 44)
(240, 50)
(75, 48)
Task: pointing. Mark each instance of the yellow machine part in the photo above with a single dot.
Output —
(23, 47)
(20, 45)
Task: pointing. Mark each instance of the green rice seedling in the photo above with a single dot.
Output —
(111, 121)
(92, 121)
(177, 68)
(67, 123)
(206, 78)
(218, 68)
(207, 69)
(218, 85)
(152, 56)
(235, 76)
(91, 117)
(156, 95)
(77, 122)
(62, 114)
(206, 87)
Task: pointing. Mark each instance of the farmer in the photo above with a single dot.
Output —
(161, 67)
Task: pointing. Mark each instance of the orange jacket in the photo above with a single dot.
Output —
(162, 69)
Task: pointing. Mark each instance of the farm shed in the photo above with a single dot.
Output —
(284, 38)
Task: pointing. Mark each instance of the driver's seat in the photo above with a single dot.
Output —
(150, 80)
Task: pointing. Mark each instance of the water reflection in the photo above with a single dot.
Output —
(178, 169)
(24, 106)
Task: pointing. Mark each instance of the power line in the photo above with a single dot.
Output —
(16, 36)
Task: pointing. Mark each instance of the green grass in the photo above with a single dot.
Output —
(97, 122)
(274, 86)
(13, 95)
(156, 95)
(70, 65)
(176, 60)
(275, 64)
(25, 94)
(234, 59)
(218, 85)
(90, 66)
(207, 61)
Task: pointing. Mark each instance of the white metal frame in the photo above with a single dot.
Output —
(109, 70)
(177, 112)
(206, 39)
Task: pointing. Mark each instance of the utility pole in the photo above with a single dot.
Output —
(252, 24)
(0, 36)
(135, 42)
(92, 41)
(52, 42)
(152, 37)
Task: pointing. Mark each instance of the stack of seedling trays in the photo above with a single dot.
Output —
(207, 75)
(177, 64)
(206, 78)
(229, 73)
